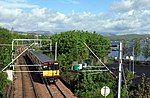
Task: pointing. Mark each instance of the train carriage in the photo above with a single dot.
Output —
(49, 67)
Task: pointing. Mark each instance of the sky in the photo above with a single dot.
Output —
(102, 16)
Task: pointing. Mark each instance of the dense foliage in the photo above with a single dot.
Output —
(129, 46)
(89, 85)
(5, 56)
(146, 50)
(128, 37)
(142, 89)
(5, 53)
(71, 48)
(137, 47)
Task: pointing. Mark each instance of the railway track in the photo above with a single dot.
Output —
(33, 85)
(46, 86)
(57, 89)
(23, 85)
(28, 87)
(9, 93)
(60, 90)
(42, 89)
(64, 89)
(53, 89)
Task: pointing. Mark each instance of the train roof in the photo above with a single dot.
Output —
(42, 57)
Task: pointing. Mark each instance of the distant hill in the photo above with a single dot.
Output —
(41, 32)
(106, 33)
(129, 37)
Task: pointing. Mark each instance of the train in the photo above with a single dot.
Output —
(49, 67)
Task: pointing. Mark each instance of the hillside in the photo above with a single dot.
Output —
(129, 37)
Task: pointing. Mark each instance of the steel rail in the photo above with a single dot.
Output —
(23, 85)
(27, 65)
(33, 86)
(31, 83)
(43, 81)
(46, 85)
(9, 93)
(60, 90)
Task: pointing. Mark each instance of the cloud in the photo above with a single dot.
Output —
(122, 6)
(16, 1)
(126, 5)
(134, 13)
(16, 4)
(122, 19)
(9, 15)
(141, 4)
(69, 1)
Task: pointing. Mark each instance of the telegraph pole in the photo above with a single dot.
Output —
(120, 71)
(12, 52)
(50, 45)
(133, 60)
(56, 51)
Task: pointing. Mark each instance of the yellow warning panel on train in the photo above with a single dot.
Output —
(56, 73)
(47, 73)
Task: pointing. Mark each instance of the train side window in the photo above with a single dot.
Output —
(52, 67)
(49, 67)
(57, 67)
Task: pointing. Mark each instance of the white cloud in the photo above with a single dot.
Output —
(22, 1)
(17, 4)
(69, 1)
(122, 6)
(124, 19)
(141, 4)
(135, 13)
(9, 15)
(126, 5)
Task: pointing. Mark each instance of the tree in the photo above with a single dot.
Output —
(137, 47)
(146, 50)
(71, 48)
(5, 36)
(5, 54)
(126, 85)
(70, 44)
(142, 90)
(99, 44)
(89, 85)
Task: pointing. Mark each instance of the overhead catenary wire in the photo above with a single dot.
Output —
(17, 57)
(93, 70)
(98, 58)
(10, 45)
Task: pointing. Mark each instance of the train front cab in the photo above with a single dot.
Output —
(51, 71)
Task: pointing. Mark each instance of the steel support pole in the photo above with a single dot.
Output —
(120, 71)
(40, 43)
(56, 51)
(133, 61)
(13, 52)
(50, 45)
